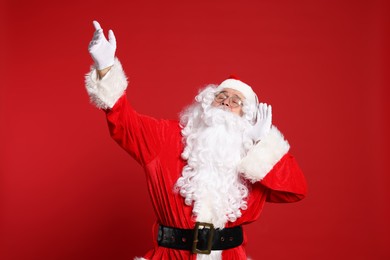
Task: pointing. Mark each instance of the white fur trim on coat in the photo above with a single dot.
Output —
(264, 155)
(104, 92)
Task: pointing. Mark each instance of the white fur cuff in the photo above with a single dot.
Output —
(263, 156)
(105, 92)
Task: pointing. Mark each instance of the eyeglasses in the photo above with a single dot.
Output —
(234, 101)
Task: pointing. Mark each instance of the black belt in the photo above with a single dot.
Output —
(200, 240)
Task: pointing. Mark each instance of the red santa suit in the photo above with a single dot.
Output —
(157, 146)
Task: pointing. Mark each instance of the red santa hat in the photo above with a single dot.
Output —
(234, 83)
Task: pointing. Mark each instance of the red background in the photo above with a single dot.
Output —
(67, 191)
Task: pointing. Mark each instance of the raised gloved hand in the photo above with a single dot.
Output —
(101, 50)
(263, 123)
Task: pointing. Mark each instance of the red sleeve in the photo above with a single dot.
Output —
(285, 182)
(141, 136)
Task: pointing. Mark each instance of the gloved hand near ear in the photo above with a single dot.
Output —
(101, 50)
(263, 123)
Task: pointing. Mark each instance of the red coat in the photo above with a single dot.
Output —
(157, 146)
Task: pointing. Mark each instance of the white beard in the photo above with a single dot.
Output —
(214, 146)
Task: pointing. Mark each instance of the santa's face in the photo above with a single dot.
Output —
(231, 100)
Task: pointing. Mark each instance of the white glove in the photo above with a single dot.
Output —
(101, 50)
(263, 124)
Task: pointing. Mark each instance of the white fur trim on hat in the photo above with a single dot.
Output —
(264, 155)
(238, 85)
(104, 92)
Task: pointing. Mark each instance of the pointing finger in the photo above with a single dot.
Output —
(96, 25)
(111, 38)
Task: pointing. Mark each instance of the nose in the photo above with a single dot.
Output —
(225, 103)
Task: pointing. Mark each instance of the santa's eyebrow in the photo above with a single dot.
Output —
(222, 91)
(225, 92)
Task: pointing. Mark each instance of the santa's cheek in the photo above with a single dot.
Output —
(237, 112)
(215, 104)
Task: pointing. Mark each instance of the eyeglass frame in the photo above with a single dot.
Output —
(241, 103)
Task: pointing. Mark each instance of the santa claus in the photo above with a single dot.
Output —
(208, 174)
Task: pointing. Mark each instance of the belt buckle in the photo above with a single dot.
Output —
(195, 250)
